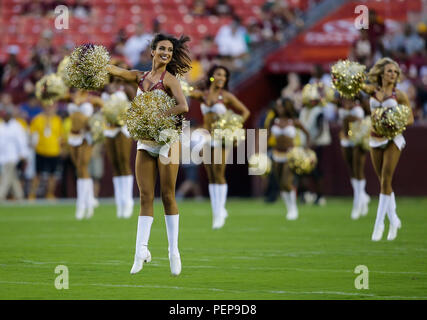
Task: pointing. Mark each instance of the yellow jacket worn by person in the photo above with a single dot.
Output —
(47, 132)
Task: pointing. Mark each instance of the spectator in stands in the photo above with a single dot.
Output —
(421, 86)
(145, 60)
(136, 44)
(13, 150)
(407, 42)
(222, 8)
(293, 90)
(199, 8)
(36, 8)
(47, 137)
(81, 9)
(30, 107)
(255, 35)
(361, 50)
(231, 42)
(319, 75)
(376, 29)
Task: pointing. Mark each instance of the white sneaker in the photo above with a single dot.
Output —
(292, 215)
(321, 201)
(218, 222)
(175, 264)
(139, 262)
(355, 214)
(89, 212)
(392, 231)
(127, 210)
(225, 213)
(378, 233)
(95, 203)
(80, 213)
(365, 205)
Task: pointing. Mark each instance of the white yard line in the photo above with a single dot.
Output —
(153, 263)
(277, 292)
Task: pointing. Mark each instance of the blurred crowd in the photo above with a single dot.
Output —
(230, 46)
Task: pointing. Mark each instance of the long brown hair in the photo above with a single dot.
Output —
(181, 61)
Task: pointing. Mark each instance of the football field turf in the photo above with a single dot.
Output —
(258, 254)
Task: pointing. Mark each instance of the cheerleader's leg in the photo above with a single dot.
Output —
(168, 174)
(146, 173)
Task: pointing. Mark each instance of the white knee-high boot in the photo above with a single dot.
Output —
(127, 196)
(395, 223)
(286, 197)
(89, 198)
(355, 212)
(294, 214)
(219, 209)
(383, 206)
(80, 203)
(117, 197)
(172, 229)
(364, 198)
(142, 254)
(223, 190)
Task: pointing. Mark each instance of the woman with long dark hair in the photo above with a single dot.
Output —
(215, 98)
(283, 127)
(170, 58)
(385, 153)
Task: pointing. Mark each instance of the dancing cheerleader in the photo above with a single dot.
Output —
(283, 127)
(385, 153)
(214, 101)
(81, 145)
(118, 145)
(355, 156)
(170, 58)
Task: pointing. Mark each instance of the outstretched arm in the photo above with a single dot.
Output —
(368, 88)
(128, 75)
(196, 94)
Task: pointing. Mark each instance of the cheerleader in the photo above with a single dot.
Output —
(214, 101)
(354, 156)
(81, 145)
(284, 129)
(170, 58)
(118, 146)
(385, 153)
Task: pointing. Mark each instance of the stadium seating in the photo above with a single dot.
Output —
(109, 16)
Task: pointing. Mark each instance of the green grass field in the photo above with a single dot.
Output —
(257, 255)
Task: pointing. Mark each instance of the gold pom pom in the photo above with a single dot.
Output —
(97, 125)
(359, 132)
(390, 121)
(301, 160)
(228, 128)
(348, 77)
(261, 163)
(145, 118)
(50, 88)
(87, 67)
(114, 110)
